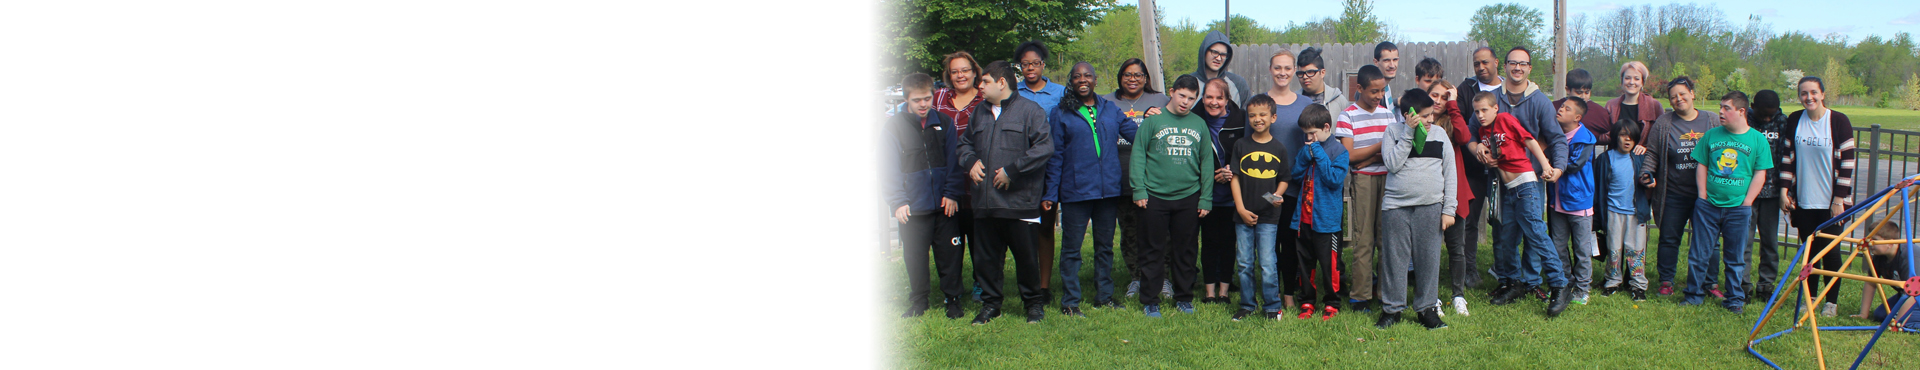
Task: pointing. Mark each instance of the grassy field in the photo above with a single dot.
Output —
(1610, 332)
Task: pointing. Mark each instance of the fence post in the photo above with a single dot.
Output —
(1873, 161)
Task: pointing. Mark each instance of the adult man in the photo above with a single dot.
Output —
(1524, 101)
(1036, 87)
(1386, 55)
(1006, 153)
(1361, 127)
(1215, 53)
(1313, 81)
(1083, 180)
(924, 180)
(1486, 78)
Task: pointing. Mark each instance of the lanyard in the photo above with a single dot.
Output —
(1088, 112)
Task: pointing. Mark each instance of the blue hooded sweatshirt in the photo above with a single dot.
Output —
(1086, 159)
(1574, 191)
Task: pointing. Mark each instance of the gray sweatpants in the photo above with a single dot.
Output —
(1578, 258)
(1410, 234)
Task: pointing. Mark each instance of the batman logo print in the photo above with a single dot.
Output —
(1259, 165)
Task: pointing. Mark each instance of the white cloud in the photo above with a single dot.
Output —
(1909, 19)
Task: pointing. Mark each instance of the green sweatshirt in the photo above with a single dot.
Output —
(1172, 158)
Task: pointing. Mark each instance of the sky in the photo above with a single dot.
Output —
(1427, 21)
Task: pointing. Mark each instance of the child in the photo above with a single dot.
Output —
(1263, 166)
(1420, 189)
(923, 182)
(1572, 216)
(1172, 177)
(1889, 262)
(1320, 171)
(1617, 174)
(1508, 146)
(1462, 250)
(1729, 156)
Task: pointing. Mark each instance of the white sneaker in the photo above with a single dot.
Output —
(1829, 309)
(1133, 289)
(1442, 313)
(1166, 289)
(1460, 305)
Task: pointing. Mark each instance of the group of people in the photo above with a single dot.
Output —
(1257, 189)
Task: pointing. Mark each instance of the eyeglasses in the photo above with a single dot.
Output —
(960, 70)
(1211, 52)
(1518, 63)
(1033, 63)
(1133, 75)
(1308, 72)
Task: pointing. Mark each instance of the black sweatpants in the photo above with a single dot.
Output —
(1766, 222)
(1167, 230)
(1218, 245)
(1319, 255)
(1285, 250)
(1804, 220)
(997, 236)
(939, 234)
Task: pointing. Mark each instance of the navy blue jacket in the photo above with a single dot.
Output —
(920, 165)
(1075, 172)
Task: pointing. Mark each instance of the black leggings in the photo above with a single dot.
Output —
(1286, 249)
(1319, 256)
(1217, 246)
(1804, 220)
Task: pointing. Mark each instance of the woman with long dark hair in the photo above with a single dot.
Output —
(1816, 174)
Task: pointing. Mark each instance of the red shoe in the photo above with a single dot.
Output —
(1715, 292)
(1330, 312)
(1666, 288)
(1306, 311)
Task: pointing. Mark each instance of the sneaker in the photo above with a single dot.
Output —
(1328, 315)
(1166, 289)
(1153, 311)
(1185, 307)
(1306, 311)
(1541, 293)
(915, 311)
(954, 311)
(1358, 305)
(1692, 300)
(1508, 297)
(1559, 299)
(986, 314)
(1714, 290)
(1580, 299)
(1829, 309)
(1273, 315)
(1666, 288)
(1107, 304)
(1386, 320)
(1639, 295)
(1501, 290)
(1133, 289)
(1736, 307)
(976, 293)
(1072, 311)
(1460, 306)
(1430, 318)
(1035, 313)
(1237, 315)
(1608, 291)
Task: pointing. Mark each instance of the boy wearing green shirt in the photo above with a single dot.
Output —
(1172, 177)
(1733, 160)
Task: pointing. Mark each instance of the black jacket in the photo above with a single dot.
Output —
(1019, 141)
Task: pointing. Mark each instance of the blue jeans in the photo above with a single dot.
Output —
(1257, 242)
(1522, 218)
(1729, 228)
(1675, 212)
(1073, 228)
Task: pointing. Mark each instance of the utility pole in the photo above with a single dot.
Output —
(1228, 23)
(1150, 44)
(1560, 54)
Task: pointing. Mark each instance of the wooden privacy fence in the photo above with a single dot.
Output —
(1456, 58)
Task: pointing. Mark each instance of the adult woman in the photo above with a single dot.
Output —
(957, 101)
(1634, 104)
(1816, 173)
(1137, 99)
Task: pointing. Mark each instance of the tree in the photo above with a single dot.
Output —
(922, 30)
(1358, 24)
(1911, 93)
(1840, 81)
(1504, 26)
(1114, 38)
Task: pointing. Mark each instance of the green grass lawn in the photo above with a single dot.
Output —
(1609, 332)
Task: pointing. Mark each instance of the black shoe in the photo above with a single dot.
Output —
(986, 314)
(1541, 293)
(1508, 296)
(954, 311)
(1639, 295)
(1072, 311)
(1559, 299)
(1035, 313)
(1501, 290)
(1241, 314)
(1275, 315)
(1115, 304)
(1387, 320)
(1765, 294)
(1430, 318)
(1360, 306)
(1608, 291)
(915, 311)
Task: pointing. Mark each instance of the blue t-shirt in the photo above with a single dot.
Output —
(1620, 167)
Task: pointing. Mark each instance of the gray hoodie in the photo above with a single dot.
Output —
(1418, 179)
(1237, 93)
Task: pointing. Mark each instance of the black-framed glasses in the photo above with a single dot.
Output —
(1211, 52)
(1308, 72)
(1517, 63)
(1033, 63)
